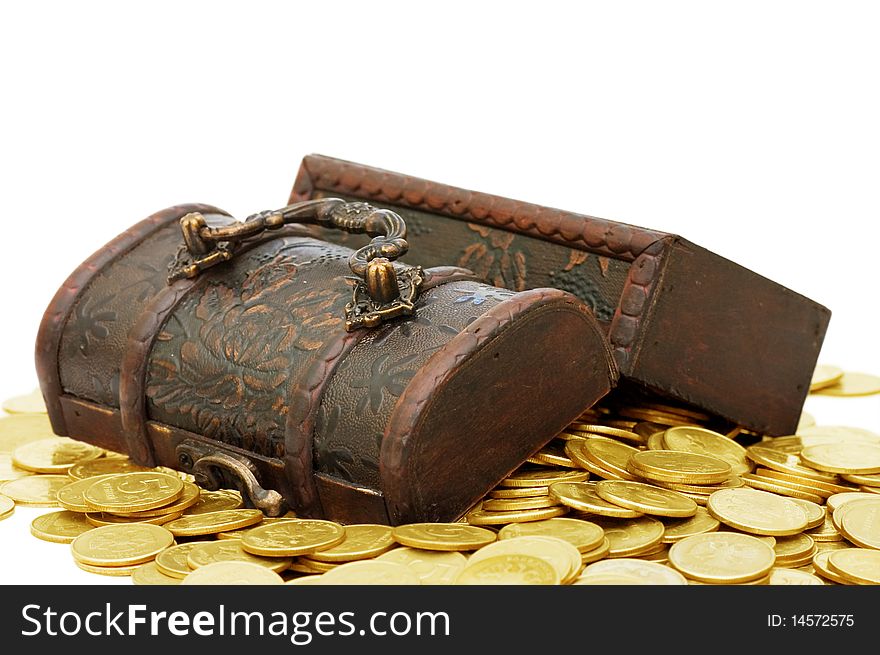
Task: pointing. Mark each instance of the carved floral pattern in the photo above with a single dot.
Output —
(495, 259)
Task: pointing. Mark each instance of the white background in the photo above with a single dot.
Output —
(751, 128)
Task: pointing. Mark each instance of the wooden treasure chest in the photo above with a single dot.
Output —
(684, 324)
(342, 383)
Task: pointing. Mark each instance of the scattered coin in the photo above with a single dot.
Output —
(825, 376)
(214, 522)
(858, 565)
(722, 557)
(757, 512)
(60, 527)
(861, 458)
(121, 545)
(640, 571)
(31, 403)
(509, 570)
(362, 541)
(674, 466)
(432, 567)
(630, 537)
(583, 535)
(699, 523)
(646, 498)
(20, 429)
(292, 538)
(371, 572)
(35, 490)
(583, 496)
(132, 492)
(230, 551)
(233, 573)
(442, 536)
(104, 466)
(53, 455)
(701, 441)
(149, 574)
(853, 384)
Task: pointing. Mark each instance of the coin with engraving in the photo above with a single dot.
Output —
(822, 434)
(722, 557)
(793, 548)
(757, 512)
(699, 523)
(53, 455)
(860, 523)
(292, 538)
(515, 569)
(561, 555)
(820, 564)
(187, 499)
(105, 466)
(442, 536)
(641, 572)
(233, 573)
(519, 492)
(104, 518)
(35, 490)
(130, 492)
(30, 403)
(786, 463)
(121, 545)
(113, 571)
(149, 574)
(484, 517)
(824, 376)
(646, 498)
(815, 512)
(213, 522)
(826, 531)
(583, 535)
(370, 572)
(361, 541)
(858, 565)
(20, 429)
(71, 496)
(433, 567)
(600, 552)
(215, 501)
(848, 458)
(582, 496)
(631, 537)
(675, 466)
(785, 576)
(691, 439)
(173, 560)
(60, 527)
(507, 504)
(833, 502)
(542, 478)
(605, 453)
(230, 550)
(781, 488)
(853, 384)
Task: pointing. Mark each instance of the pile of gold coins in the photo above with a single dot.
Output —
(633, 492)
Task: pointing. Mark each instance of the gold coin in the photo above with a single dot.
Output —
(872, 490)
(306, 580)
(785, 462)
(784, 576)
(292, 538)
(560, 554)
(361, 541)
(575, 449)
(699, 523)
(629, 537)
(600, 552)
(70, 496)
(757, 512)
(607, 579)
(542, 478)
(606, 430)
(793, 547)
(313, 566)
(655, 442)
(35, 490)
(482, 517)
(822, 434)
(53, 455)
(675, 466)
(215, 501)
(230, 550)
(815, 512)
(805, 421)
(859, 565)
(861, 523)
(819, 487)
(104, 466)
(781, 488)
(610, 455)
(553, 455)
(238, 534)
(8, 470)
(706, 442)
(149, 574)
(130, 492)
(504, 504)
(431, 567)
(509, 570)
(213, 522)
(821, 568)
(188, 498)
(442, 536)
(20, 429)
(865, 480)
(173, 560)
(843, 457)
(115, 571)
(722, 557)
(654, 416)
(827, 531)
(639, 571)
(825, 376)
(370, 572)
(853, 384)
(583, 535)
(682, 487)
(99, 519)
(121, 545)
(520, 492)
(646, 498)
(836, 500)
(31, 403)
(582, 496)
(233, 573)
(7, 505)
(60, 527)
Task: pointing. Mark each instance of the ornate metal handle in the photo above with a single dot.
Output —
(382, 291)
